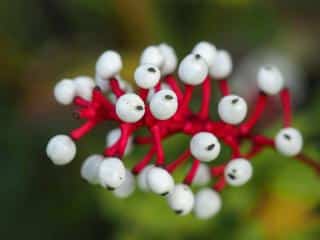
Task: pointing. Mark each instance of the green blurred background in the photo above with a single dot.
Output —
(42, 41)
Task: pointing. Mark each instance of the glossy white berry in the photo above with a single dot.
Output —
(108, 65)
(159, 181)
(206, 50)
(207, 203)
(181, 199)
(111, 173)
(232, 109)
(61, 149)
(169, 59)
(164, 104)
(127, 187)
(289, 141)
(147, 76)
(202, 176)
(193, 69)
(130, 108)
(84, 86)
(64, 91)
(238, 172)
(113, 136)
(270, 80)
(204, 146)
(142, 178)
(221, 66)
(90, 168)
(152, 55)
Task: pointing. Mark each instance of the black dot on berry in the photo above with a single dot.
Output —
(197, 56)
(287, 136)
(110, 188)
(210, 147)
(235, 100)
(168, 97)
(139, 108)
(164, 194)
(151, 69)
(178, 211)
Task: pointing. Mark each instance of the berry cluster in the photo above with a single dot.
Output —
(163, 108)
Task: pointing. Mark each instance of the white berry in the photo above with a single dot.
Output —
(130, 108)
(111, 173)
(221, 66)
(193, 69)
(152, 55)
(204, 146)
(127, 187)
(202, 176)
(270, 80)
(90, 168)
(108, 65)
(181, 199)
(207, 203)
(61, 149)
(159, 181)
(232, 109)
(289, 141)
(206, 50)
(164, 104)
(84, 86)
(238, 172)
(113, 136)
(169, 59)
(65, 91)
(147, 76)
(142, 178)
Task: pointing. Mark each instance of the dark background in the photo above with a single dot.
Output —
(42, 41)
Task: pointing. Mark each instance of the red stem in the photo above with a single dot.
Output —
(144, 162)
(157, 143)
(224, 87)
(285, 98)
(192, 172)
(115, 87)
(255, 115)
(206, 96)
(180, 160)
(84, 129)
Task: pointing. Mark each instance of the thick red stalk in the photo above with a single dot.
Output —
(115, 87)
(286, 107)
(224, 87)
(179, 161)
(206, 96)
(192, 172)
(259, 108)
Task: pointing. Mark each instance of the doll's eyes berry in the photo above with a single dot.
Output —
(147, 76)
(289, 141)
(108, 65)
(204, 146)
(238, 172)
(164, 104)
(193, 69)
(205, 50)
(270, 80)
(160, 108)
(130, 108)
(221, 66)
(232, 109)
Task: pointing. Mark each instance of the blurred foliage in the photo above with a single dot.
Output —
(42, 41)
